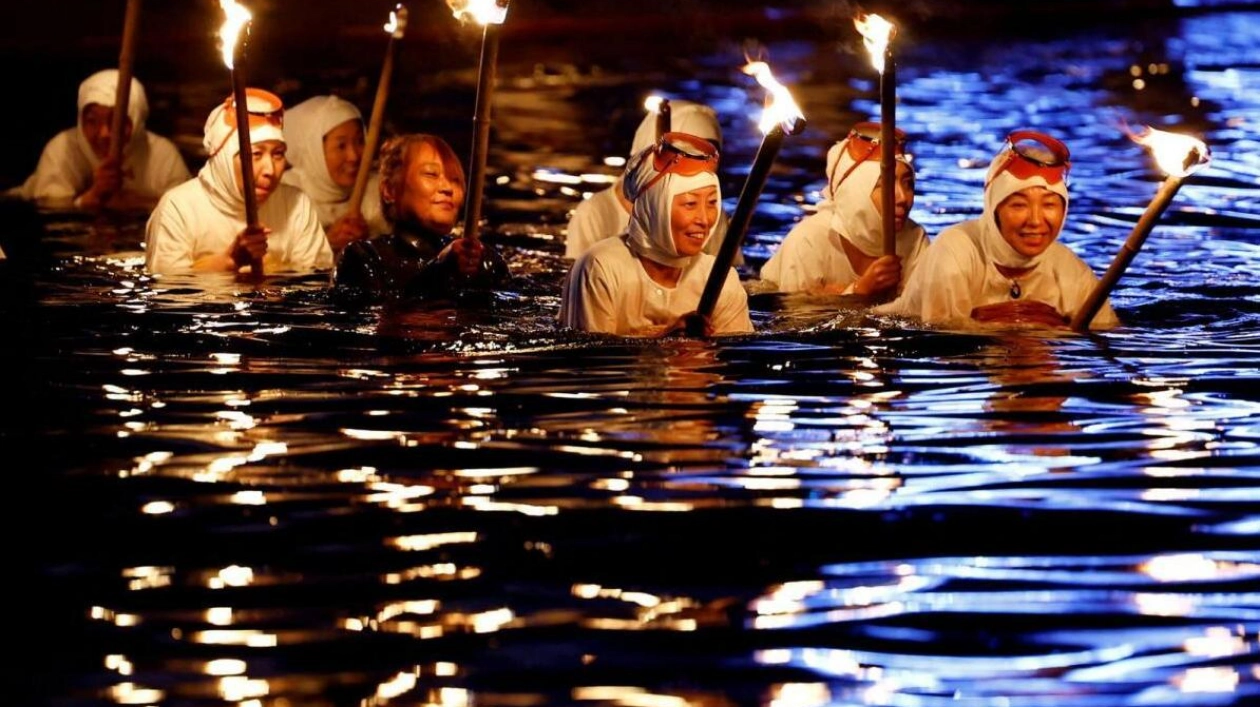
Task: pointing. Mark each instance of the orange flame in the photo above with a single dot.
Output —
(235, 19)
(1176, 154)
(397, 21)
(877, 34)
(781, 108)
(483, 12)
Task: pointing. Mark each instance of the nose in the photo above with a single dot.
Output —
(266, 166)
(902, 195)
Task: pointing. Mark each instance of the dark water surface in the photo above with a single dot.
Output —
(240, 494)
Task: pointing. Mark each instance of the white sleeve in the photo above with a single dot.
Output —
(168, 245)
(310, 244)
(590, 298)
(57, 176)
(580, 234)
(730, 315)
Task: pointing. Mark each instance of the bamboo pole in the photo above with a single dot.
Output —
(122, 97)
(372, 142)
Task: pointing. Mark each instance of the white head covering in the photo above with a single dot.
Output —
(102, 88)
(222, 144)
(650, 234)
(684, 117)
(853, 211)
(306, 124)
(997, 189)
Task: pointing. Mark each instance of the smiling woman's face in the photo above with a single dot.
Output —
(1030, 219)
(430, 196)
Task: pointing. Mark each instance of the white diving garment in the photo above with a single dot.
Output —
(812, 256)
(603, 216)
(954, 278)
(204, 215)
(305, 126)
(151, 163)
(609, 291)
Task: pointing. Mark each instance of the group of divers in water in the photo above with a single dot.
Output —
(642, 249)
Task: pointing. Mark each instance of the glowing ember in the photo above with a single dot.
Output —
(876, 33)
(781, 109)
(652, 104)
(483, 12)
(1178, 155)
(397, 21)
(236, 17)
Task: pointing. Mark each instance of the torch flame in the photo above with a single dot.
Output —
(877, 33)
(781, 108)
(1178, 155)
(236, 17)
(652, 104)
(397, 22)
(484, 12)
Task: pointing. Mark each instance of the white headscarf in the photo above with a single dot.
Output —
(684, 117)
(306, 124)
(218, 176)
(997, 189)
(853, 211)
(102, 88)
(650, 234)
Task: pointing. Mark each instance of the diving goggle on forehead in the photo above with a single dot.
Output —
(1029, 154)
(264, 108)
(864, 144)
(681, 154)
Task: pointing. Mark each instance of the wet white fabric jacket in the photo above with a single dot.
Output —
(151, 163)
(954, 277)
(811, 256)
(609, 291)
(203, 215)
(305, 126)
(186, 226)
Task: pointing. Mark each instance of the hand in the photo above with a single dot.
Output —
(249, 247)
(691, 324)
(346, 230)
(1020, 312)
(882, 274)
(468, 253)
(106, 182)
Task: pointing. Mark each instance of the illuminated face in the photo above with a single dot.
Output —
(903, 198)
(269, 165)
(1030, 219)
(96, 120)
(429, 195)
(691, 217)
(343, 151)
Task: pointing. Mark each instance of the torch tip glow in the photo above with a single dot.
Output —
(397, 22)
(484, 12)
(652, 104)
(235, 19)
(782, 109)
(1176, 154)
(877, 34)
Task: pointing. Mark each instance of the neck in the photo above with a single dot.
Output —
(1013, 273)
(661, 274)
(621, 196)
(859, 260)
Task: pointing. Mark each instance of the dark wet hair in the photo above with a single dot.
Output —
(396, 154)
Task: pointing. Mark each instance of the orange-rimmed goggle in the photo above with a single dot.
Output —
(264, 108)
(682, 154)
(864, 142)
(1032, 154)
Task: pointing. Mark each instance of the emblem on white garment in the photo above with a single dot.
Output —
(1016, 291)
